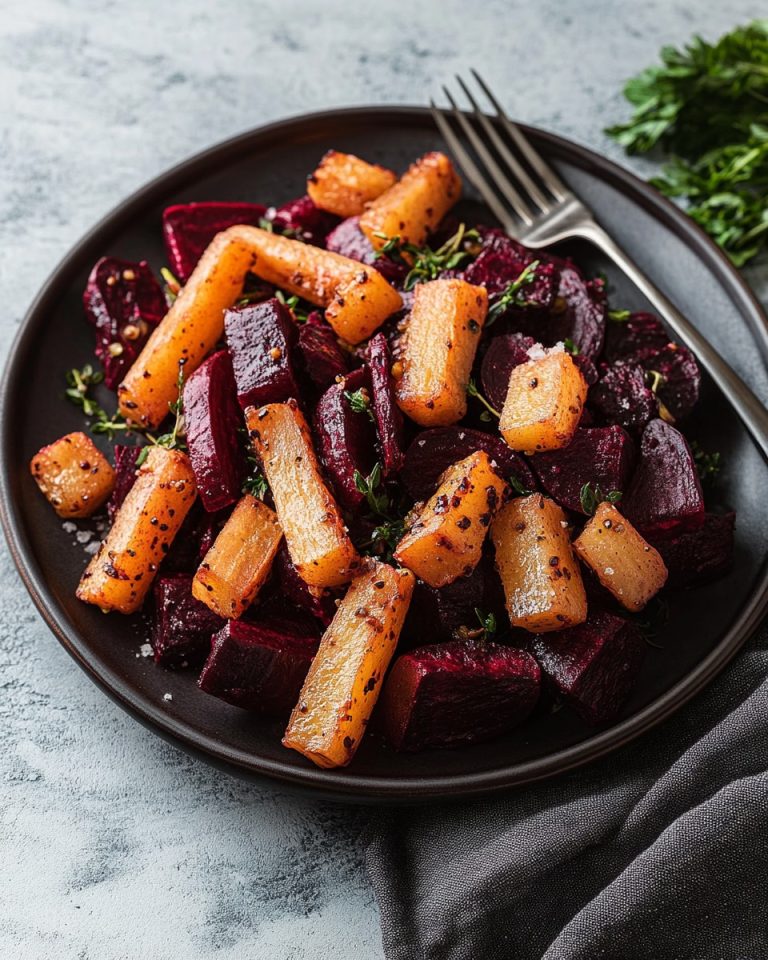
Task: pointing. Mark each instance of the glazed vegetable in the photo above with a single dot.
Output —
(438, 349)
(447, 694)
(412, 208)
(182, 627)
(121, 573)
(314, 529)
(624, 563)
(261, 339)
(592, 667)
(545, 399)
(541, 577)
(235, 568)
(445, 539)
(345, 678)
(356, 297)
(258, 666)
(74, 476)
(343, 183)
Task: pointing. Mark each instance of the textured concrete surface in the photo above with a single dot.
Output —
(113, 844)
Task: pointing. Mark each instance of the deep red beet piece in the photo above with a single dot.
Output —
(389, 419)
(699, 556)
(261, 340)
(300, 218)
(188, 228)
(349, 240)
(588, 369)
(321, 356)
(665, 495)
(504, 353)
(637, 338)
(593, 667)
(346, 439)
(257, 667)
(124, 303)
(212, 418)
(182, 626)
(319, 604)
(583, 318)
(435, 615)
(454, 693)
(602, 456)
(622, 396)
(503, 259)
(125, 476)
(194, 540)
(433, 451)
(679, 387)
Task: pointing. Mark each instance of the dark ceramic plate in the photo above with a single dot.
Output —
(706, 626)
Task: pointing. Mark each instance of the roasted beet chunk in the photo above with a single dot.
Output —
(389, 419)
(593, 667)
(194, 540)
(504, 353)
(212, 417)
(602, 456)
(182, 626)
(124, 303)
(258, 668)
(665, 496)
(433, 451)
(319, 350)
(300, 218)
(699, 556)
(680, 381)
(437, 614)
(346, 436)
(502, 260)
(639, 337)
(350, 241)
(125, 475)
(188, 228)
(453, 693)
(314, 601)
(583, 312)
(622, 396)
(261, 339)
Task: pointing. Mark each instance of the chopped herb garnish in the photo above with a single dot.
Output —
(708, 465)
(78, 383)
(489, 411)
(619, 316)
(591, 497)
(570, 347)
(172, 440)
(388, 533)
(370, 486)
(267, 225)
(487, 622)
(424, 262)
(519, 487)
(513, 295)
(171, 285)
(359, 401)
(256, 484)
(292, 302)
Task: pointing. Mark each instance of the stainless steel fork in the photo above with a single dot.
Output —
(533, 204)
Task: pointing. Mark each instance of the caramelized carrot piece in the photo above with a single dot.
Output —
(314, 529)
(345, 678)
(74, 475)
(235, 568)
(121, 573)
(343, 183)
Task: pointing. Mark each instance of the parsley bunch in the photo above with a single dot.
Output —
(707, 106)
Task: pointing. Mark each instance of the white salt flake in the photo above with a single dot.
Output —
(146, 650)
(83, 536)
(536, 352)
(461, 436)
(563, 523)
(608, 571)
(421, 442)
(92, 547)
(68, 526)
(167, 696)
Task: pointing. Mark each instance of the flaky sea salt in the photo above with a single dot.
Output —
(92, 547)
(146, 650)
(83, 536)
(167, 696)
(608, 571)
(68, 526)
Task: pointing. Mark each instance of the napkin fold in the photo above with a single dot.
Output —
(658, 852)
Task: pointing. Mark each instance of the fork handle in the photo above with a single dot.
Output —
(749, 407)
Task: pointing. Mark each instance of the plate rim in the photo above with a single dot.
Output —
(347, 785)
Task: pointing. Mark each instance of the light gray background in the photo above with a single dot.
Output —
(112, 843)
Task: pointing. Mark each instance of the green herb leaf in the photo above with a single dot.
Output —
(359, 401)
(513, 294)
(708, 465)
(707, 106)
(518, 486)
(472, 391)
(570, 347)
(172, 286)
(427, 264)
(619, 316)
(300, 315)
(591, 497)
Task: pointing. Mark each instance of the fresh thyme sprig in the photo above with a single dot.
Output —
(708, 465)
(172, 286)
(78, 383)
(619, 316)
(489, 411)
(519, 487)
(173, 439)
(591, 497)
(424, 262)
(570, 347)
(292, 302)
(388, 533)
(513, 294)
(359, 401)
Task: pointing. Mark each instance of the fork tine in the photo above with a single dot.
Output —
(553, 183)
(506, 154)
(509, 191)
(470, 168)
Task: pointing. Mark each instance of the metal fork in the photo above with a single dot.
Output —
(533, 204)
